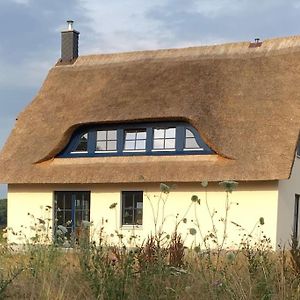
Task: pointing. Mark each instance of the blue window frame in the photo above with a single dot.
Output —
(156, 138)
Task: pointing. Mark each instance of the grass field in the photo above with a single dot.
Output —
(149, 272)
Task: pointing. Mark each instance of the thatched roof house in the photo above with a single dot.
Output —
(242, 98)
(244, 101)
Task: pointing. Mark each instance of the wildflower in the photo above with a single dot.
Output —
(164, 188)
(62, 228)
(184, 220)
(204, 183)
(261, 221)
(4, 235)
(193, 231)
(112, 206)
(228, 185)
(230, 256)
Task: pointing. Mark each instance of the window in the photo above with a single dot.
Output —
(83, 143)
(164, 139)
(106, 140)
(71, 208)
(296, 217)
(155, 138)
(132, 208)
(135, 140)
(190, 141)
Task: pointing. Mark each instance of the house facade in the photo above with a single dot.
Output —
(137, 144)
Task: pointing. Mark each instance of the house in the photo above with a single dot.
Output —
(106, 130)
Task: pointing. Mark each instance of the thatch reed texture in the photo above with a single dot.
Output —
(245, 102)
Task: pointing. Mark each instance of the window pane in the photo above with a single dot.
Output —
(129, 145)
(101, 135)
(111, 145)
(101, 146)
(112, 135)
(170, 144)
(170, 132)
(188, 133)
(190, 143)
(158, 144)
(140, 145)
(130, 136)
(82, 146)
(159, 133)
(141, 135)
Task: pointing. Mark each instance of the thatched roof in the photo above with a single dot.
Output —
(245, 103)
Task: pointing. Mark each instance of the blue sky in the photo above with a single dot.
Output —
(30, 34)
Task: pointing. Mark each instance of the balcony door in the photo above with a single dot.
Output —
(71, 209)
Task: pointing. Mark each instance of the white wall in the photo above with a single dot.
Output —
(286, 202)
(247, 204)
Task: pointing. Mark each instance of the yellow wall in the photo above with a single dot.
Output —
(247, 204)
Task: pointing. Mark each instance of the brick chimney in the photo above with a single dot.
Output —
(69, 44)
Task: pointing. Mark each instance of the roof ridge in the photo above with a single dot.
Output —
(205, 51)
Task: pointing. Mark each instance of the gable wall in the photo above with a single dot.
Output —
(247, 204)
(286, 201)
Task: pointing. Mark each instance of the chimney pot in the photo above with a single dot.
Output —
(70, 25)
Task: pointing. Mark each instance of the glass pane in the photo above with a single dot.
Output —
(101, 146)
(112, 135)
(138, 216)
(130, 135)
(128, 217)
(188, 133)
(190, 143)
(78, 218)
(170, 132)
(129, 145)
(68, 200)
(82, 146)
(140, 145)
(158, 144)
(159, 133)
(170, 144)
(101, 135)
(68, 218)
(141, 135)
(111, 145)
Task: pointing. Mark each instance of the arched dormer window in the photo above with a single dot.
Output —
(160, 138)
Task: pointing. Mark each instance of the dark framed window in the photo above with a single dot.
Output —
(70, 210)
(164, 138)
(132, 208)
(155, 138)
(135, 140)
(106, 140)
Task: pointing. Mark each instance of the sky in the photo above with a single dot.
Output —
(30, 34)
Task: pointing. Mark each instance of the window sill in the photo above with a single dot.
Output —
(131, 227)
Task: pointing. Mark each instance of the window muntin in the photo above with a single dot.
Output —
(190, 141)
(83, 143)
(135, 140)
(132, 208)
(164, 138)
(106, 140)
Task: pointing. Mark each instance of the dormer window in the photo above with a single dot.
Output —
(164, 139)
(161, 138)
(106, 140)
(135, 140)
